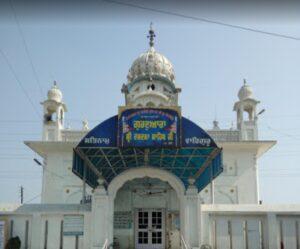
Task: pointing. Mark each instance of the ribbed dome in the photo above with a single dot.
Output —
(245, 92)
(149, 64)
(54, 93)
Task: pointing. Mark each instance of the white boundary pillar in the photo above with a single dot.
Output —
(36, 231)
(102, 218)
(191, 216)
(272, 231)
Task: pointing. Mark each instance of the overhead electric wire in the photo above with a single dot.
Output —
(283, 133)
(33, 198)
(280, 170)
(30, 177)
(13, 148)
(202, 19)
(19, 178)
(17, 158)
(26, 47)
(18, 121)
(19, 82)
(203, 119)
(6, 140)
(13, 155)
(51, 172)
(19, 134)
(22, 172)
(274, 176)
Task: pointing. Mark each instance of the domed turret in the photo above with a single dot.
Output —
(151, 80)
(54, 112)
(54, 93)
(150, 65)
(246, 104)
(245, 92)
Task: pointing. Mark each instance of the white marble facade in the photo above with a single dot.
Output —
(226, 214)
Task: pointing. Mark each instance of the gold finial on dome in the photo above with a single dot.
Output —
(151, 35)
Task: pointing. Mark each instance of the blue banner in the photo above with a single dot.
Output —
(150, 127)
(103, 135)
(195, 136)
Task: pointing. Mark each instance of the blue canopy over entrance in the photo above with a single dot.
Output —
(114, 146)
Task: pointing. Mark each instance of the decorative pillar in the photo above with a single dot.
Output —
(191, 226)
(102, 217)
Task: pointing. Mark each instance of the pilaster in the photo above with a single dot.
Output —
(102, 218)
(191, 216)
(36, 231)
(272, 231)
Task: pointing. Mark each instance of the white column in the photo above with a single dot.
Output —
(102, 218)
(191, 216)
(255, 169)
(205, 229)
(272, 231)
(36, 231)
(212, 190)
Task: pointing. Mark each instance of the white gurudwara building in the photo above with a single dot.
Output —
(149, 178)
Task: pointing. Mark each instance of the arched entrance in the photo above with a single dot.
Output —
(147, 207)
(155, 143)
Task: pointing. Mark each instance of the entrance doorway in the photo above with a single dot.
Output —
(149, 229)
(146, 215)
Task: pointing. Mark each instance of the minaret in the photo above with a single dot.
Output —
(247, 125)
(54, 112)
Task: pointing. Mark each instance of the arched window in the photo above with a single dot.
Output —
(47, 118)
(152, 87)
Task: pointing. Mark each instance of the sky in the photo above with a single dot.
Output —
(88, 50)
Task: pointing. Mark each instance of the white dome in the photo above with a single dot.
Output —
(245, 92)
(149, 64)
(54, 93)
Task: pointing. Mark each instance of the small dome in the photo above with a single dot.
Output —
(245, 92)
(54, 93)
(151, 63)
